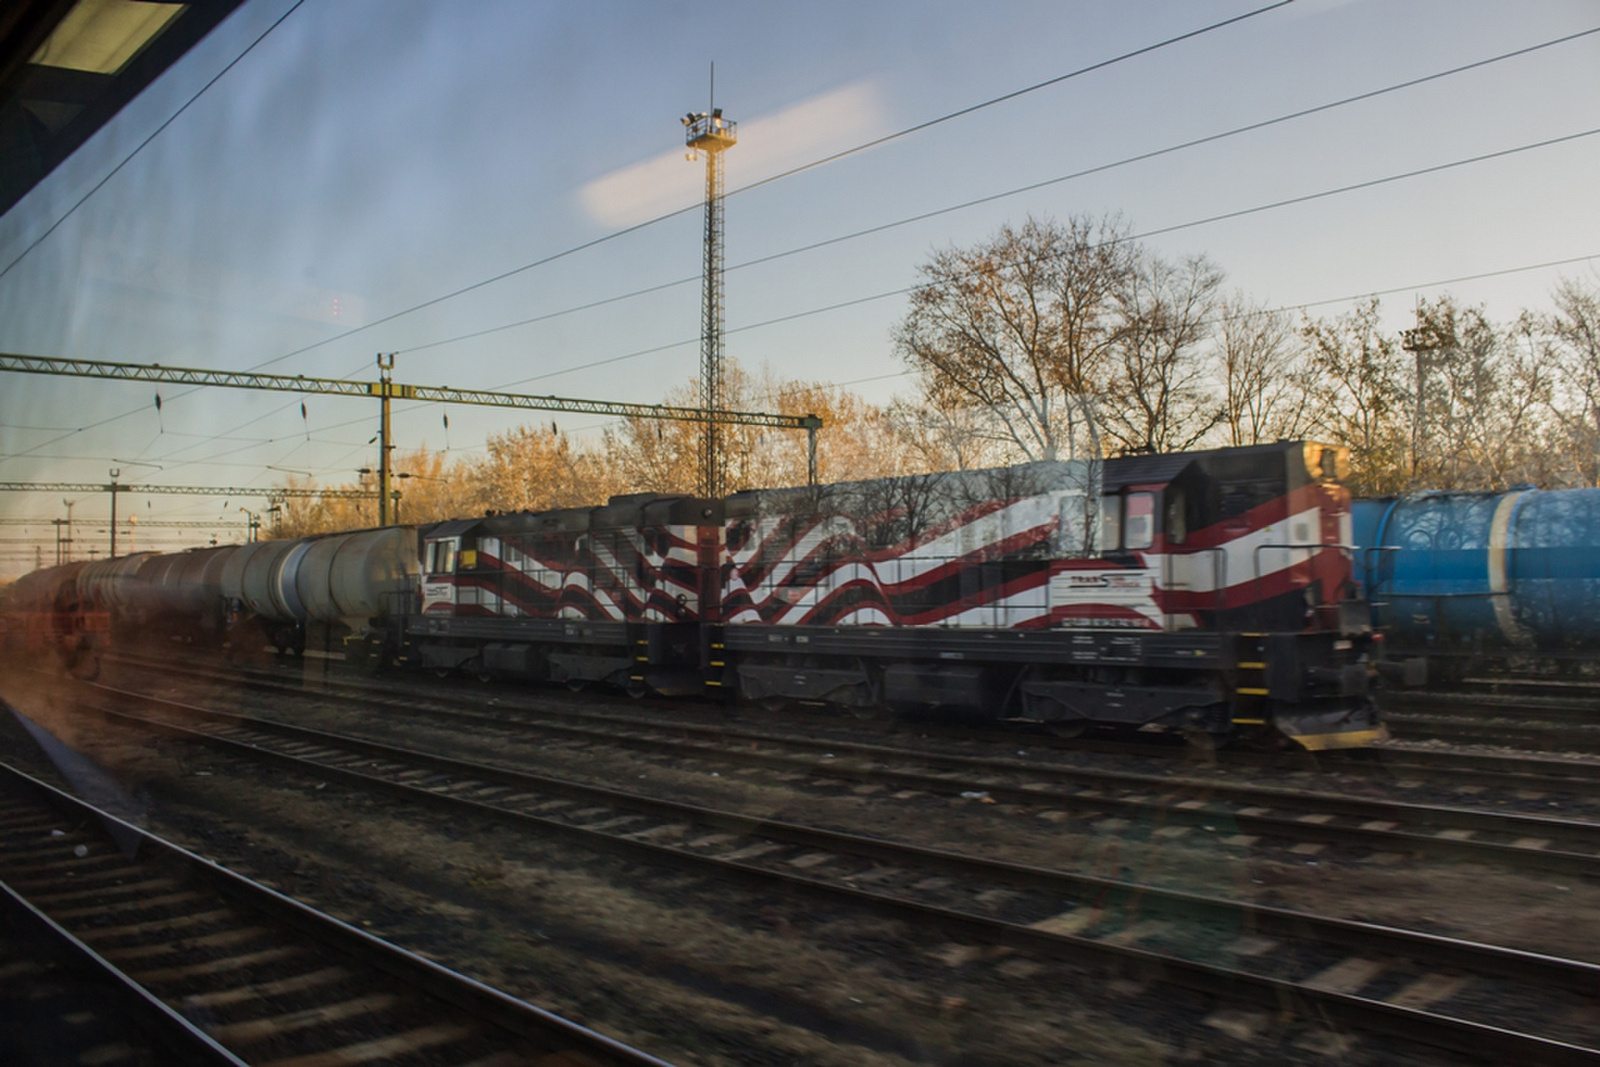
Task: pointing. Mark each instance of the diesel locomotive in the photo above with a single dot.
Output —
(1209, 593)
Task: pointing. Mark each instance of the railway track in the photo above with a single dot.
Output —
(1525, 772)
(1440, 991)
(1238, 814)
(231, 972)
(59, 1007)
(1534, 722)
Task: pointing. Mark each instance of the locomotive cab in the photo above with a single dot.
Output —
(439, 556)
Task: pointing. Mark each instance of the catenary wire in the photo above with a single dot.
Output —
(1142, 235)
(1137, 236)
(1030, 187)
(874, 143)
(1099, 65)
(1354, 186)
(906, 290)
(112, 173)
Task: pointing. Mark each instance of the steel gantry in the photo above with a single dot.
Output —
(185, 490)
(386, 390)
(272, 493)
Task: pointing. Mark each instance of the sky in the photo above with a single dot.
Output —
(497, 191)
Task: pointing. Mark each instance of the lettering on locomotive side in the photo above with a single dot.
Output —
(1105, 598)
(437, 594)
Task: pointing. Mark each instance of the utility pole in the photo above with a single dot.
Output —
(115, 473)
(1419, 341)
(69, 504)
(709, 132)
(386, 389)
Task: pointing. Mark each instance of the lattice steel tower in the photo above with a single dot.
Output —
(710, 133)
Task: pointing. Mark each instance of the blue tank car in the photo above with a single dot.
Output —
(1454, 576)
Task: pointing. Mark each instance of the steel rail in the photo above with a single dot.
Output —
(175, 1033)
(1257, 816)
(1562, 737)
(1529, 770)
(478, 1000)
(1364, 1013)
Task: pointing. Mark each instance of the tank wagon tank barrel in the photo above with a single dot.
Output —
(1455, 576)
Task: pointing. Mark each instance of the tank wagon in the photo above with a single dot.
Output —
(42, 614)
(1209, 593)
(1456, 578)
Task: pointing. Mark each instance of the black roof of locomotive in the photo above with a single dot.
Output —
(1281, 459)
(620, 512)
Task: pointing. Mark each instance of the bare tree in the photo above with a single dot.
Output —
(1572, 342)
(1264, 396)
(1361, 396)
(1020, 326)
(1160, 397)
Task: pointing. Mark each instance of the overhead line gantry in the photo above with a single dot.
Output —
(385, 390)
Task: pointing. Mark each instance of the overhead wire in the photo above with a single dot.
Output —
(811, 165)
(905, 290)
(926, 124)
(986, 199)
(140, 147)
(1141, 235)
(1027, 188)
(1285, 202)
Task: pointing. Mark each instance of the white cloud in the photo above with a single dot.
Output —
(767, 145)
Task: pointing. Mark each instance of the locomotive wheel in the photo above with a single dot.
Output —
(1067, 730)
(577, 685)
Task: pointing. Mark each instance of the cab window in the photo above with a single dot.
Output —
(1177, 526)
(1139, 521)
(441, 557)
(1110, 523)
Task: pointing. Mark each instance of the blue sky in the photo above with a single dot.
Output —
(367, 157)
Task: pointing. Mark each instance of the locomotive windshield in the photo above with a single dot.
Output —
(441, 556)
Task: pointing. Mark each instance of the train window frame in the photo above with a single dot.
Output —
(1110, 522)
(441, 556)
(1139, 526)
(1175, 516)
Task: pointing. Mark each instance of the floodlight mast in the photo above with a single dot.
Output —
(710, 133)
